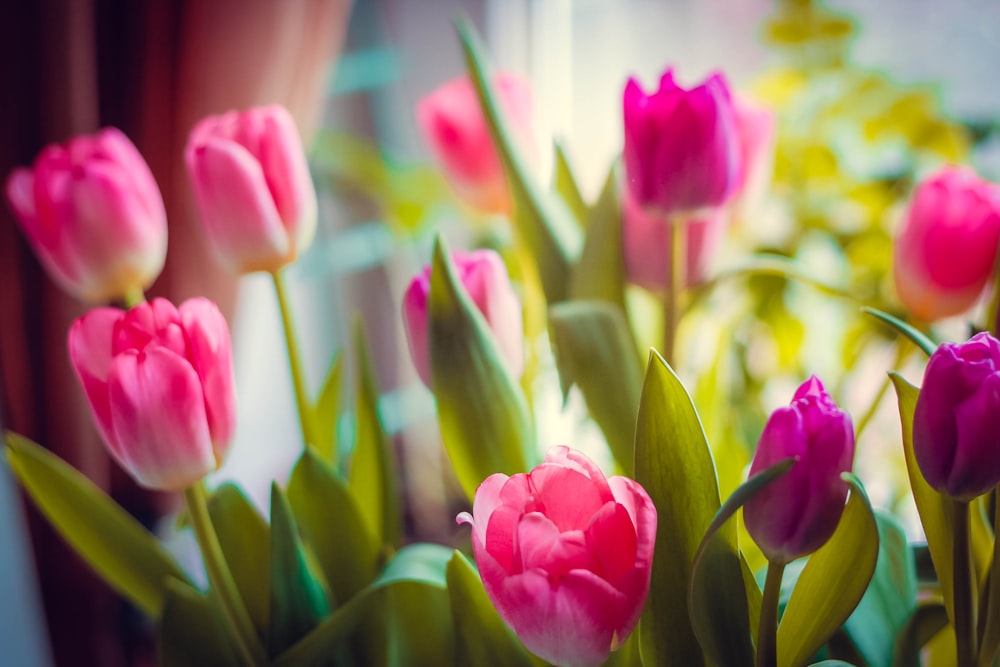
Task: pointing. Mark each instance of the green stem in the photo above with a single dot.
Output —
(133, 298)
(990, 638)
(675, 288)
(221, 580)
(767, 631)
(294, 358)
(964, 591)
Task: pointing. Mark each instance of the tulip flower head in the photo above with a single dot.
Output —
(93, 215)
(159, 381)
(682, 151)
(755, 128)
(253, 188)
(565, 555)
(797, 513)
(455, 129)
(945, 248)
(956, 422)
(484, 277)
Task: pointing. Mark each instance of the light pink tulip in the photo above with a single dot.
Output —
(455, 129)
(565, 555)
(159, 380)
(93, 214)
(755, 128)
(253, 187)
(945, 249)
(484, 277)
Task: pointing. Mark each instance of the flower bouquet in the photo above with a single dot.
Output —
(673, 545)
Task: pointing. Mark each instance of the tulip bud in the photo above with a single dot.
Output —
(253, 187)
(455, 129)
(94, 216)
(681, 148)
(956, 423)
(565, 555)
(159, 381)
(797, 513)
(946, 246)
(484, 277)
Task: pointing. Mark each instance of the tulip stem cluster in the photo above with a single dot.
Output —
(220, 579)
(294, 357)
(964, 591)
(767, 631)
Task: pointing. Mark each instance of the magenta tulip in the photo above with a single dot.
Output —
(94, 216)
(682, 151)
(956, 424)
(159, 380)
(946, 246)
(253, 188)
(484, 277)
(565, 555)
(455, 129)
(797, 513)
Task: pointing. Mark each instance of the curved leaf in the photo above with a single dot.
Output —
(245, 538)
(126, 555)
(565, 184)
(191, 632)
(600, 271)
(916, 336)
(326, 410)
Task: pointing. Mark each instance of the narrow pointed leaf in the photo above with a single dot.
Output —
(916, 336)
(123, 553)
(565, 185)
(831, 584)
(542, 218)
(191, 630)
(484, 418)
(418, 625)
(594, 350)
(674, 464)
(326, 411)
(600, 271)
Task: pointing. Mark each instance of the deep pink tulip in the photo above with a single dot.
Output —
(956, 424)
(253, 188)
(682, 151)
(797, 513)
(484, 276)
(565, 555)
(946, 246)
(455, 129)
(159, 380)
(94, 216)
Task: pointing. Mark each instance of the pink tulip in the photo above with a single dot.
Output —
(94, 216)
(946, 246)
(797, 513)
(565, 555)
(755, 128)
(253, 187)
(681, 148)
(454, 127)
(484, 277)
(159, 380)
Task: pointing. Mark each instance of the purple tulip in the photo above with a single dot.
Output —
(956, 424)
(797, 513)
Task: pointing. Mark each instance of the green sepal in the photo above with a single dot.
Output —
(326, 410)
(722, 620)
(123, 553)
(594, 350)
(245, 540)
(600, 272)
(191, 631)
(565, 184)
(915, 336)
(373, 476)
(674, 464)
(482, 412)
(298, 600)
(831, 583)
(542, 219)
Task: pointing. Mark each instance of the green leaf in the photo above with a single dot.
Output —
(419, 627)
(482, 639)
(674, 464)
(333, 526)
(484, 418)
(421, 564)
(191, 632)
(720, 619)
(565, 184)
(594, 350)
(542, 218)
(298, 601)
(373, 465)
(123, 553)
(916, 336)
(326, 410)
(600, 272)
(245, 538)
(928, 619)
(832, 582)
(990, 640)
(890, 599)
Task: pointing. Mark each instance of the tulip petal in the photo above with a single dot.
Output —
(209, 351)
(565, 495)
(976, 466)
(89, 342)
(287, 174)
